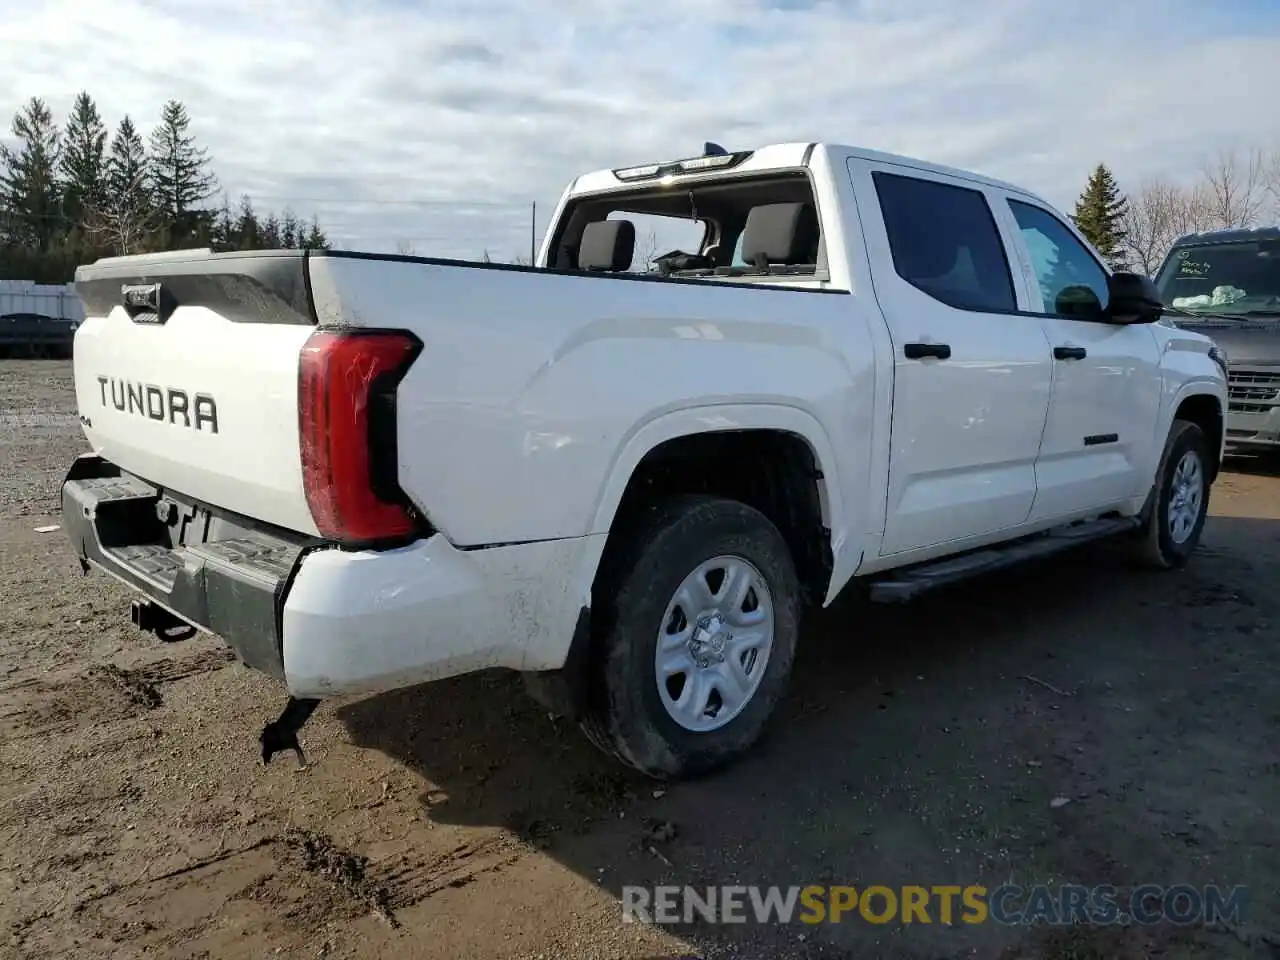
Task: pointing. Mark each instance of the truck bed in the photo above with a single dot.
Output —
(198, 392)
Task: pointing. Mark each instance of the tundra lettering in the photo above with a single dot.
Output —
(160, 403)
(426, 476)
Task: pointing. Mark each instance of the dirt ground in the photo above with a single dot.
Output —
(921, 744)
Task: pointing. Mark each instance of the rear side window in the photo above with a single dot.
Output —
(945, 242)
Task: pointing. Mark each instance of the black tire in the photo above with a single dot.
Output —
(625, 715)
(1155, 546)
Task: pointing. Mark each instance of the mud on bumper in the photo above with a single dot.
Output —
(220, 574)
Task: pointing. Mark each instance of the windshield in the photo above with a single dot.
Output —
(1237, 278)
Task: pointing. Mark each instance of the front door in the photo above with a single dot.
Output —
(1105, 404)
(971, 375)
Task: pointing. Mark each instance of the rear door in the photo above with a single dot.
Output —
(971, 375)
(186, 374)
(1097, 448)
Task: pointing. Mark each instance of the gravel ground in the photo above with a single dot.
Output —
(930, 744)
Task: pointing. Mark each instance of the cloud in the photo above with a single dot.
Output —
(439, 123)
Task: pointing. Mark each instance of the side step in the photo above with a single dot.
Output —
(907, 584)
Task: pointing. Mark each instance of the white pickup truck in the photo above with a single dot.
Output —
(367, 471)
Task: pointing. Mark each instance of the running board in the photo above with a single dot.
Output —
(910, 583)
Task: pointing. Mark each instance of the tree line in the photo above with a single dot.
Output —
(1234, 190)
(74, 192)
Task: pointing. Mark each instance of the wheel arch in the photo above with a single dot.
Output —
(562, 691)
(1204, 409)
(779, 431)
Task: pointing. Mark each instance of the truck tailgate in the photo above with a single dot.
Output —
(186, 373)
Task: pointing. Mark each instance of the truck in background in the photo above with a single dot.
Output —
(1226, 284)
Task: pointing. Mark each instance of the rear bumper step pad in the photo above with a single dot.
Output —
(232, 587)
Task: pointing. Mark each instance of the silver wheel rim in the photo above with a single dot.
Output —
(1186, 497)
(714, 643)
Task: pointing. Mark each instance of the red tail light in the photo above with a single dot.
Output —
(346, 415)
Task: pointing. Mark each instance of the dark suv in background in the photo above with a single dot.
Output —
(1226, 284)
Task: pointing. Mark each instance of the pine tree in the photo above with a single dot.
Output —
(248, 230)
(224, 227)
(315, 239)
(290, 230)
(1100, 214)
(180, 172)
(128, 168)
(271, 233)
(126, 219)
(83, 162)
(29, 193)
(67, 196)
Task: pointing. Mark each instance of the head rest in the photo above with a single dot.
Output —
(930, 255)
(607, 245)
(785, 233)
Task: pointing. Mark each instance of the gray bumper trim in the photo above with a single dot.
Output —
(233, 586)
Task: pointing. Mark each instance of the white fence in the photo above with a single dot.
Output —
(55, 300)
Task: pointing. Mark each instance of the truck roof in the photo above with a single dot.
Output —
(791, 155)
(1230, 235)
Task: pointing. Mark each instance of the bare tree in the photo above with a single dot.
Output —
(649, 252)
(1162, 211)
(1236, 188)
(1271, 178)
(1193, 210)
(405, 248)
(1148, 224)
(125, 219)
(1232, 191)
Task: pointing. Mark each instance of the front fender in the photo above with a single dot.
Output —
(1188, 371)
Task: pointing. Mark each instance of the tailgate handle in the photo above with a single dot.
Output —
(146, 302)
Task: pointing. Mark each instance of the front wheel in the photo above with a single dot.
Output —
(697, 618)
(1179, 503)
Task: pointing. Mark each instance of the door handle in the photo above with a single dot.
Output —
(1069, 353)
(922, 351)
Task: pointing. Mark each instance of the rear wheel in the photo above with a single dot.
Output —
(697, 617)
(1179, 502)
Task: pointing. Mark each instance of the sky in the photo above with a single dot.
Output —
(433, 126)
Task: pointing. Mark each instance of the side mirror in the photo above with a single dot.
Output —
(1132, 298)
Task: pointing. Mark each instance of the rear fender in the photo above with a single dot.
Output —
(714, 418)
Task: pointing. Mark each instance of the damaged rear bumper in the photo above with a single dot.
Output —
(327, 621)
(220, 575)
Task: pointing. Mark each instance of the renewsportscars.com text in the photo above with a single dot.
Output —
(1007, 904)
